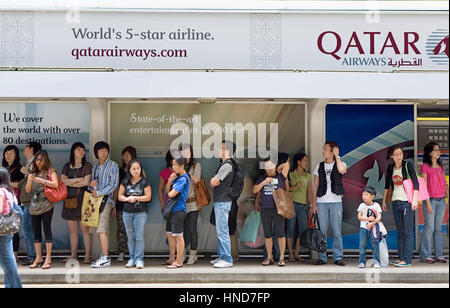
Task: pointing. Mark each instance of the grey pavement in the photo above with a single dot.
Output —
(247, 271)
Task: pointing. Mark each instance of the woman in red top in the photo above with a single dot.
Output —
(433, 173)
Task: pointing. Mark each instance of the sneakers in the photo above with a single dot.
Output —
(140, 264)
(361, 265)
(376, 266)
(129, 264)
(103, 261)
(223, 264)
(213, 262)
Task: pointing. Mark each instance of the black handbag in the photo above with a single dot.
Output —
(166, 211)
(313, 238)
(168, 206)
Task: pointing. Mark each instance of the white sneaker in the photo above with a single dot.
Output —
(223, 264)
(377, 266)
(140, 264)
(121, 257)
(361, 265)
(130, 264)
(102, 262)
(212, 262)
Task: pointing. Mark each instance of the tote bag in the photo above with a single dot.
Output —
(250, 229)
(408, 185)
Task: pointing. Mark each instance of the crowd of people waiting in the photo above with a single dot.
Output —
(127, 193)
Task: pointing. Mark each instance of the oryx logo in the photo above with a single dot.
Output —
(437, 47)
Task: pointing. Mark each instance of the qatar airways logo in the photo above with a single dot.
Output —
(372, 48)
(437, 47)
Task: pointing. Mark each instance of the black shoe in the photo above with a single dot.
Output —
(27, 262)
(339, 262)
(319, 262)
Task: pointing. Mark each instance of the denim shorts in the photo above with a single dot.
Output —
(175, 224)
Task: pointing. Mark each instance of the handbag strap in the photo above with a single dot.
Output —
(316, 220)
(82, 175)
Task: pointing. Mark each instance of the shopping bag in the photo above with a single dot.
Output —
(284, 203)
(250, 229)
(384, 253)
(259, 241)
(90, 209)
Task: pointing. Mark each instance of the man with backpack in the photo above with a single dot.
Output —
(228, 185)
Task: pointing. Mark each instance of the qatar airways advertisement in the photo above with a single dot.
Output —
(339, 41)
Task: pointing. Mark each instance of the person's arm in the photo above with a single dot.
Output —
(52, 183)
(387, 186)
(373, 223)
(285, 170)
(161, 187)
(172, 178)
(113, 181)
(121, 194)
(197, 176)
(1, 204)
(82, 182)
(178, 187)
(383, 203)
(29, 182)
(257, 188)
(340, 164)
(257, 199)
(361, 217)
(223, 172)
(173, 193)
(429, 207)
(147, 197)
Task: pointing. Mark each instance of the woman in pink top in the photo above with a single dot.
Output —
(164, 178)
(433, 173)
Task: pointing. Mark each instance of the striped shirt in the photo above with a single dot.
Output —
(107, 176)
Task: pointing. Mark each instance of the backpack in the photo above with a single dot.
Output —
(237, 185)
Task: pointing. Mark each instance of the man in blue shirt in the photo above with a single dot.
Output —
(105, 179)
(175, 224)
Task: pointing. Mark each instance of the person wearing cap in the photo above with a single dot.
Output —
(369, 214)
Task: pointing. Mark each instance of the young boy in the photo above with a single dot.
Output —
(369, 213)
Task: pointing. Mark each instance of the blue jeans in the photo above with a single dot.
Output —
(331, 213)
(27, 231)
(135, 227)
(404, 222)
(300, 219)
(8, 262)
(433, 229)
(364, 237)
(222, 211)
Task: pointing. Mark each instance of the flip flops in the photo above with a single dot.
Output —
(174, 266)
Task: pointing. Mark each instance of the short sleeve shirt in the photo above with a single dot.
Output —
(181, 184)
(436, 182)
(267, 200)
(367, 211)
(137, 190)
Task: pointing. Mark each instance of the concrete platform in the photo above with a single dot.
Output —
(247, 270)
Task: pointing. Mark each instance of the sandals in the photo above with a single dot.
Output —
(36, 265)
(281, 263)
(168, 262)
(46, 266)
(68, 259)
(267, 262)
(174, 266)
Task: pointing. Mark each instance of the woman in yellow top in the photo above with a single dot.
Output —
(300, 184)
